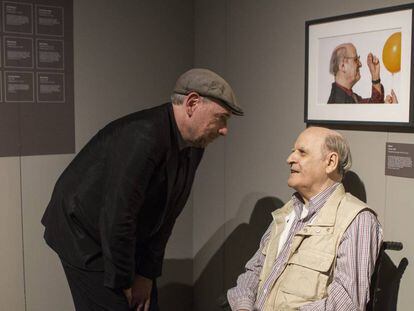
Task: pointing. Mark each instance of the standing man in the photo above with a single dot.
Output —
(320, 251)
(344, 66)
(113, 208)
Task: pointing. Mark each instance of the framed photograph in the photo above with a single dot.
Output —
(359, 68)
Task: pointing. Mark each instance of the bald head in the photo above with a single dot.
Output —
(333, 141)
(319, 158)
(344, 65)
(337, 56)
(320, 131)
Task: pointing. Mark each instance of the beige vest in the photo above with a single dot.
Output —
(312, 257)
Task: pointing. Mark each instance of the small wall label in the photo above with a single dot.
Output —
(399, 160)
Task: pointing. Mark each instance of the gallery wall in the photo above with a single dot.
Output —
(259, 46)
(127, 56)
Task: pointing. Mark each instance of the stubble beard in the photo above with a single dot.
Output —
(204, 140)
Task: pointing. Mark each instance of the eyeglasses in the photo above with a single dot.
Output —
(355, 58)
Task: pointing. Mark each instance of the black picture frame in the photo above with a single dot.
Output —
(368, 31)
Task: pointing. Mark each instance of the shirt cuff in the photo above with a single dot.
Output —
(241, 304)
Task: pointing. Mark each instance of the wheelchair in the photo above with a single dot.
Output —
(384, 281)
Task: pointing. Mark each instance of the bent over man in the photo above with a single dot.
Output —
(113, 208)
(319, 252)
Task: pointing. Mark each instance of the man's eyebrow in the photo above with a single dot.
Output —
(301, 149)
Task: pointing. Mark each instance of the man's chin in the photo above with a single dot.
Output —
(203, 142)
(290, 182)
(294, 180)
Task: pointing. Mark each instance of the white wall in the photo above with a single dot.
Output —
(259, 46)
(127, 55)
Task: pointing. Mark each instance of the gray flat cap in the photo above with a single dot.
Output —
(209, 84)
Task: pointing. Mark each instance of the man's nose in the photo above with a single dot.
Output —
(223, 131)
(290, 158)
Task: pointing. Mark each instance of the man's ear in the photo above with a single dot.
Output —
(191, 103)
(332, 161)
(341, 65)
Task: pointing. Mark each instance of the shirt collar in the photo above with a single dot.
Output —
(348, 92)
(314, 204)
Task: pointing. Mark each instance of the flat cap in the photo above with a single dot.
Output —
(209, 84)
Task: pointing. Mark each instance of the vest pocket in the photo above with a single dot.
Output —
(306, 276)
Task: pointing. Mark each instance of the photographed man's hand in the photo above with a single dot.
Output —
(392, 98)
(374, 66)
(139, 295)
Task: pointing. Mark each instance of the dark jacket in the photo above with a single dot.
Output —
(340, 96)
(111, 209)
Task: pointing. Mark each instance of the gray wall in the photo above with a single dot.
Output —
(259, 46)
(127, 56)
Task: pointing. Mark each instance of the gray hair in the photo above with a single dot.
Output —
(177, 99)
(337, 143)
(337, 55)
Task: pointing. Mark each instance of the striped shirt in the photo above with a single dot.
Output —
(356, 257)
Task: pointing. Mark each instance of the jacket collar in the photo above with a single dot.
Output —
(326, 214)
(348, 92)
(181, 143)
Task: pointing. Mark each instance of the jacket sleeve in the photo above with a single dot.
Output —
(151, 255)
(130, 165)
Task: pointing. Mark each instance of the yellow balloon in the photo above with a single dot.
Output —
(391, 53)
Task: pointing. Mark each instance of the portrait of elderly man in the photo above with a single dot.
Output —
(320, 250)
(344, 66)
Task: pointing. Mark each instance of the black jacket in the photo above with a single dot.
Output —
(339, 96)
(111, 209)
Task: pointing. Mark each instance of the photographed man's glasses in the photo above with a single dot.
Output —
(355, 58)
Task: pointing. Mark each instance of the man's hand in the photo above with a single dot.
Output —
(139, 295)
(374, 66)
(391, 99)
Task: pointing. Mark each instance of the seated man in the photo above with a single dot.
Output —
(319, 252)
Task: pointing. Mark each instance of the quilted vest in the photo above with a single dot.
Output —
(312, 257)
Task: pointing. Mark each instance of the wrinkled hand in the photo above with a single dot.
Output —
(374, 66)
(392, 98)
(139, 295)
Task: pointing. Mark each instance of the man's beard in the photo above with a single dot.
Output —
(204, 140)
